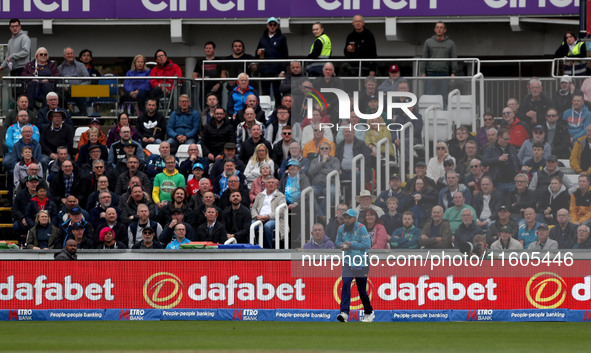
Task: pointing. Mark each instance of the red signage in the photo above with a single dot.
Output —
(274, 285)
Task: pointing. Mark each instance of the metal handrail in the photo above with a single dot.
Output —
(480, 78)
(304, 211)
(453, 99)
(361, 158)
(411, 140)
(252, 230)
(337, 191)
(282, 207)
(555, 61)
(430, 111)
(379, 164)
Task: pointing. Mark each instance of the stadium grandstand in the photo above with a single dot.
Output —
(145, 127)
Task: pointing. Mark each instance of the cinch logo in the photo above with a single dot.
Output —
(237, 315)
(12, 315)
(354, 306)
(472, 315)
(587, 315)
(162, 290)
(124, 315)
(546, 290)
(392, 102)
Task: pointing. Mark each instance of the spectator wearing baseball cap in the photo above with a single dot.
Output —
(420, 173)
(563, 96)
(354, 240)
(543, 242)
(272, 45)
(396, 191)
(96, 123)
(526, 153)
(92, 139)
(394, 78)
(541, 180)
(193, 180)
(39, 202)
(505, 240)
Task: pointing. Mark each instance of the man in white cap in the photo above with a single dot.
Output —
(564, 94)
(272, 45)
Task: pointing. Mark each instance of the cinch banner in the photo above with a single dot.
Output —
(261, 285)
(166, 9)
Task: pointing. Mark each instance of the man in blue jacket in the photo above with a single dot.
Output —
(354, 241)
(183, 124)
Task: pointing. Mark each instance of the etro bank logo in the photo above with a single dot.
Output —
(245, 315)
(394, 100)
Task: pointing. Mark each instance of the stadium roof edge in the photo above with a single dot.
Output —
(558, 19)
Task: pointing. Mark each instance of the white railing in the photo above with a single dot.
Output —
(379, 162)
(411, 155)
(453, 104)
(337, 191)
(309, 194)
(477, 103)
(278, 210)
(252, 234)
(429, 115)
(361, 158)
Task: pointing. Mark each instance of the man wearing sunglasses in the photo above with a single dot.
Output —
(516, 128)
(280, 150)
(557, 134)
(137, 230)
(148, 241)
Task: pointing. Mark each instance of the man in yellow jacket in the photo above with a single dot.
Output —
(580, 157)
(580, 202)
(166, 182)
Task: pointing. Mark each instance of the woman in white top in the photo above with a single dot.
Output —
(435, 169)
(253, 168)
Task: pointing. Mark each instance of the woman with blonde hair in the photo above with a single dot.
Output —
(137, 90)
(43, 235)
(253, 168)
(435, 168)
(40, 67)
(94, 137)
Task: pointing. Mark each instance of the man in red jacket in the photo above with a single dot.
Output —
(518, 132)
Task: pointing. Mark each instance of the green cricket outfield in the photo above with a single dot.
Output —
(233, 336)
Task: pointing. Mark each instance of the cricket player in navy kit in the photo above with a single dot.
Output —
(353, 239)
